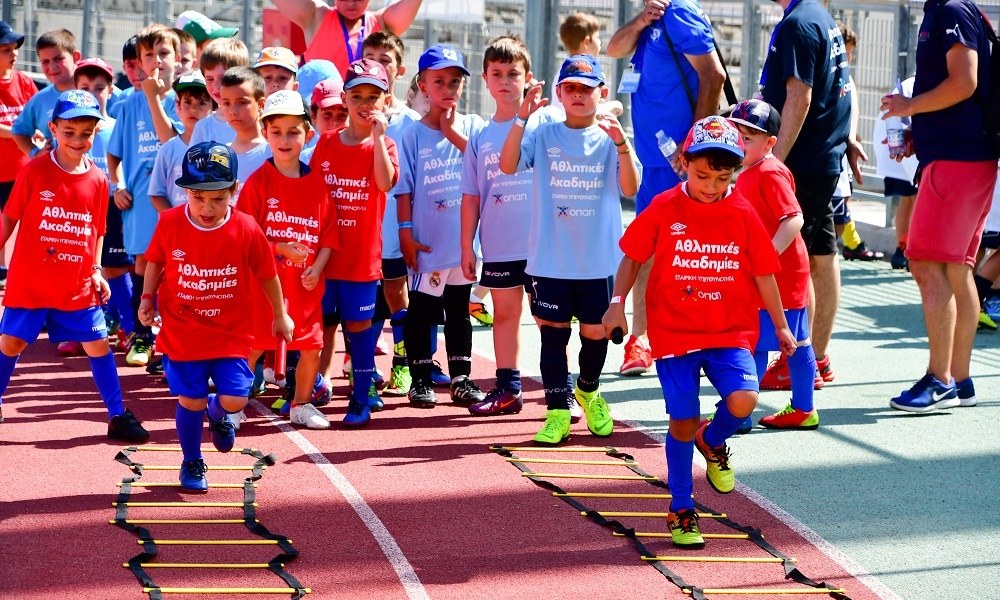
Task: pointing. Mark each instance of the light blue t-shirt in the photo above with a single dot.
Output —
(212, 129)
(430, 168)
(99, 151)
(37, 113)
(117, 97)
(247, 163)
(576, 217)
(166, 170)
(399, 123)
(134, 141)
(504, 200)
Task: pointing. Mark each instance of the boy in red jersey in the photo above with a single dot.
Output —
(769, 187)
(207, 320)
(359, 164)
(289, 202)
(713, 268)
(60, 199)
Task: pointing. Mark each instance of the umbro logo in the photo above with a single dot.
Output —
(425, 152)
(140, 124)
(178, 254)
(678, 228)
(46, 195)
(486, 147)
(554, 151)
(326, 165)
(272, 202)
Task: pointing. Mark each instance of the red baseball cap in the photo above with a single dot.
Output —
(327, 93)
(96, 63)
(367, 71)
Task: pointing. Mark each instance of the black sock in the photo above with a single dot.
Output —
(458, 329)
(984, 287)
(417, 334)
(555, 366)
(592, 355)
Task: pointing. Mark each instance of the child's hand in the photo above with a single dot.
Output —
(123, 199)
(380, 123)
(614, 318)
(293, 251)
(469, 263)
(310, 277)
(533, 100)
(447, 119)
(410, 246)
(146, 313)
(786, 341)
(101, 287)
(153, 85)
(610, 125)
(282, 325)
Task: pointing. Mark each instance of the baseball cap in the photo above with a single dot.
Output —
(714, 132)
(283, 102)
(202, 28)
(9, 36)
(313, 72)
(194, 79)
(441, 56)
(208, 166)
(74, 104)
(278, 57)
(582, 68)
(327, 93)
(757, 114)
(96, 63)
(367, 71)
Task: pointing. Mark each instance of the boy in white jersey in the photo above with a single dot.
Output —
(581, 166)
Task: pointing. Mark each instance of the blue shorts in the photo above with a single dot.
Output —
(798, 322)
(559, 300)
(84, 325)
(232, 377)
(393, 268)
(113, 253)
(841, 211)
(352, 300)
(729, 369)
(505, 275)
(655, 181)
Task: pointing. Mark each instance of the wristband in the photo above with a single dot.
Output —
(96, 268)
(519, 121)
(616, 300)
(405, 225)
(624, 141)
(118, 186)
(626, 151)
(146, 297)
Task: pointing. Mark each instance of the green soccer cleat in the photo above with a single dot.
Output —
(599, 420)
(684, 531)
(720, 476)
(556, 428)
(400, 381)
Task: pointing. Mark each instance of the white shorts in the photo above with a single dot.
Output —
(432, 283)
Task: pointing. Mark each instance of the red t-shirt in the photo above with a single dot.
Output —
(331, 44)
(209, 275)
(291, 210)
(770, 189)
(701, 291)
(61, 216)
(14, 94)
(349, 173)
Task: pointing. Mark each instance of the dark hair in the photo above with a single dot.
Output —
(239, 75)
(384, 39)
(63, 39)
(130, 50)
(92, 71)
(507, 49)
(718, 159)
(199, 93)
(185, 37)
(847, 33)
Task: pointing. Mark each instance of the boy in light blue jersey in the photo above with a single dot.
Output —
(581, 168)
(193, 104)
(499, 207)
(134, 74)
(217, 57)
(242, 99)
(57, 54)
(429, 203)
(131, 155)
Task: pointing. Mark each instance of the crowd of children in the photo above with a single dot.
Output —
(339, 204)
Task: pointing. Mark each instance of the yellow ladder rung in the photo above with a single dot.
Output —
(182, 521)
(721, 559)
(210, 467)
(152, 484)
(166, 590)
(185, 504)
(586, 476)
(543, 449)
(708, 536)
(775, 591)
(214, 542)
(611, 495)
(203, 565)
(208, 448)
(563, 461)
(652, 514)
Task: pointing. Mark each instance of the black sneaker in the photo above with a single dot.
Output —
(192, 476)
(127, 428)
(498, 402)
(862, 253)
(421, 394)
(899, 260)
(155, 367)
(465, 392)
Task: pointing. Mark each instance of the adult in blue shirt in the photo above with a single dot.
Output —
(957, 172)
(806, 77)
(676, 78)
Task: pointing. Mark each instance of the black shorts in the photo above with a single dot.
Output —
(899, 187)
(559, 300)
(393, 268)
(814, 193)
(113, 253)
(991, 240)
(505, 275)
(6, 187)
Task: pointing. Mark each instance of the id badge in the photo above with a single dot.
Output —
(630, 82)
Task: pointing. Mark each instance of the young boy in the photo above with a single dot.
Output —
(203, 296)
(290, 203)
(580, 33)
(131, 155)
(57, 54)
(428, 207)
(327, 111)
(193, 104)
(242, 98)
(768, 186)
(16, 89)
(187, 59)
(359, 164)
(217, 57)
(55, 279)
(712, 270)
(279, 68)
(497, 207)
(133, 72)
(582, 167)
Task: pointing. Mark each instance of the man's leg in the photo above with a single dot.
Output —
(939, 314)
(825, 273)
(966, 318)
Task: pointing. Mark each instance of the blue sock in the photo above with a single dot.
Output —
(722, 427)
(679, 458)
(215, 410)
(189, 423)
(258, 374)
(802, 368)
(760, 362)
(396, 321)
(106, 377)
(509, 379)
(555, 366)
(362, 359)
(7, 364)
(121, 301)
(434, 339)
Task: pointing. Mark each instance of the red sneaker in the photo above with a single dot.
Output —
(123, 342)
(791, 418)
(777, 376)
(823, 370)
(70, 348)
(638, 358)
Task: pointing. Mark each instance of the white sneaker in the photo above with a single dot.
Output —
(309, 416)
(575, 410)
(236, 418)
(269, 377)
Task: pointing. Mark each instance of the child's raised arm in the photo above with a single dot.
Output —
(510, 155)
(628, 173)
(386, 173)
(153, 87)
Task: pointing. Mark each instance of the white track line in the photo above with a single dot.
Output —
(404, 570)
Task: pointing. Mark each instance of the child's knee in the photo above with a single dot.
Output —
(194, 404)
(232, 404)
(741, 403)
(97, 348)
(683, 430)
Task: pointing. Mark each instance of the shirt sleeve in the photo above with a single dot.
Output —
(639, 240)
(527, 159)
(161, 171)
(154, 252)
(470, 163)
(799, 44)
(958, 23)
(24, 124)
(116, 146)
(393, 151)
(18, 196)
(688, 28)
(778, 188)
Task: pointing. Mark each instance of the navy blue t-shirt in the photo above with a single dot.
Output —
(808, 46)
(956, 132)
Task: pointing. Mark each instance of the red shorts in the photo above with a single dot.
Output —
(953, 199)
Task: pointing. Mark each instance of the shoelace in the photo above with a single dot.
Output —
(493, 395)
(551, 427)
(355, 408)
(721, 456)
(599, 408)
(687, 523)
(635, 352)
(196, 468)
(786, 411)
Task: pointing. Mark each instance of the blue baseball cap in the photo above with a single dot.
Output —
(714, 132)
(9, 36)
(757, 114)
(208, 166)
(75, 104)
(441, 56)
(313, 72)
(582, 68)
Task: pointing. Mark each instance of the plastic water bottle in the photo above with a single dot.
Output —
(894, 137)
(668, 147)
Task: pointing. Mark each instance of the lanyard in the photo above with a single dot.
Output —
(353, 53)
(774, 37)
(640, 50)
